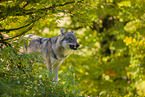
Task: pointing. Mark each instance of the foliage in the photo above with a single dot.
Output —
(109, 62)
(31, 80)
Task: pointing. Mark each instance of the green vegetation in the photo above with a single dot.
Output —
(110, 60)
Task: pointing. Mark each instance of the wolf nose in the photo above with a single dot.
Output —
(77, 45)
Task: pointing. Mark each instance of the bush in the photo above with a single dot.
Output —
(18, 78)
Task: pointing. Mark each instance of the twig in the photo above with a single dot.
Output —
(47, 8)
(19, 34)
(8, 30)
(26, 4)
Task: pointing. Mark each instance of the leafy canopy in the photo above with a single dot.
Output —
(109, 62)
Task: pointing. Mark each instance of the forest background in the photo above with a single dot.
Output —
(109, 62)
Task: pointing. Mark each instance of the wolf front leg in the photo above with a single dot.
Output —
(56, 74)
(49, 65)
(56, 70)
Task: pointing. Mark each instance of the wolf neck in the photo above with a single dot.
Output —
(60, 50)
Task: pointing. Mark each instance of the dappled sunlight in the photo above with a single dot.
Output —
(108, 63)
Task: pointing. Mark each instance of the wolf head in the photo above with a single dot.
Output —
(68, 40)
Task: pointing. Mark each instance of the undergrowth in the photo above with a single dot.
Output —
(21, 75)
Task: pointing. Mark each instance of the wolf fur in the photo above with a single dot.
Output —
(54, 50)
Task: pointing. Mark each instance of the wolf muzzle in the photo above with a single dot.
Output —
(74, 46)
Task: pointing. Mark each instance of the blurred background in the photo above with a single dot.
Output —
(109, 62)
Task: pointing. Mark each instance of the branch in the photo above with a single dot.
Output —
(27, 13)
(19, 34)
(74, 28)
(8, 30)
(48, 8)
(26, 4)
(53, 6)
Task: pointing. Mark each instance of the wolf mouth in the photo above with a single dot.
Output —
(74, 47)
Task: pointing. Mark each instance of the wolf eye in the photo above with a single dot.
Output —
(71, 38)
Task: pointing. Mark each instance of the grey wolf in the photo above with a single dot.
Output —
(54, 50)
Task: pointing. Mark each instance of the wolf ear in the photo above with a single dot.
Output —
(62, 31)
(73, 31)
